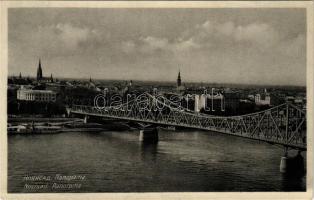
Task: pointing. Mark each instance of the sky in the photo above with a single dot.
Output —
(214, 45)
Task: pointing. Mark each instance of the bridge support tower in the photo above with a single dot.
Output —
(292, 165)
(149, 135)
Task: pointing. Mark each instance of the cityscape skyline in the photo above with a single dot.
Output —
(40, 75)
(259, 47)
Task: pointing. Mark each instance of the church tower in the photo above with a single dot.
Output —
(179, 80)
(39, 72)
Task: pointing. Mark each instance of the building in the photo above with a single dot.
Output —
(40, 78)
(231, 102)
(212, 103)
(262, 99)
(200, 102)
(290, 99)
(179, 80)
(57, 88)
(39, 72)
(36, 95)
(180, 87)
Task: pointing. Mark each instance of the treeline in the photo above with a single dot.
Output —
(79, 96)
(242, 109)
(34, 108)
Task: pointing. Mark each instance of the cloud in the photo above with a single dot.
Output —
(60, 39)
(212, 36)
(150, 44)
(254, 49)
(185, 45)
(71, 36)
(258, 33)
(226, 29)
(128, 46)
(240, 47)
(155, 43)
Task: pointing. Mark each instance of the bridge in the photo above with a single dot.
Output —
(283, 125)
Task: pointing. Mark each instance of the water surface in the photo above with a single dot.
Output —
(118, 162)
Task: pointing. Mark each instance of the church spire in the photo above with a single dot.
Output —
(39, 71)
(179, 79)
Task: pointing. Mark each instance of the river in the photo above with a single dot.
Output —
(189, 161)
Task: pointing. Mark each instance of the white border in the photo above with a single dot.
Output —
(156, 4)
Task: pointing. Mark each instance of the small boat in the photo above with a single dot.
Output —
(18, 129)
(33, 129)
(47, 129)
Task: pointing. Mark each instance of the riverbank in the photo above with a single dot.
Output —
(36, 125)
(42, 119)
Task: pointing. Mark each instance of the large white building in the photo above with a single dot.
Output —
(209, 102)
(36, 95)
(262, 99)
(200, 102)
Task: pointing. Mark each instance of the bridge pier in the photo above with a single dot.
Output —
(292, 165)
(283, 164)
(68, 111)
(86, 119)
(149, 135)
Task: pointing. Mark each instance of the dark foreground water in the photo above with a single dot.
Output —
(118, 162)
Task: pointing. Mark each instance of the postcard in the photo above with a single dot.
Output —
(156, 100)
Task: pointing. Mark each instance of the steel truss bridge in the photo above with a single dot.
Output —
(283, 125)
